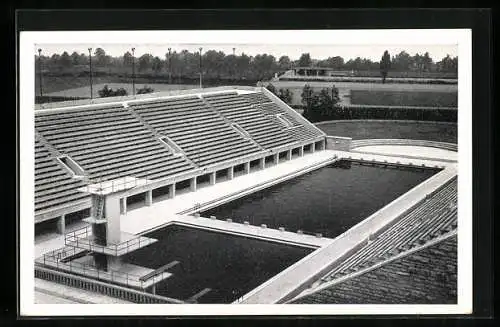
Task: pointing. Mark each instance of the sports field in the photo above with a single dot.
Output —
(84, 91)
(390, 129)
(431, 90)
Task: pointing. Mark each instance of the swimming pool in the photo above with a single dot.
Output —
(329, 200)
(228, 265)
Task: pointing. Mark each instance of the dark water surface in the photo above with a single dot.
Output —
(329, 200)
(230, 265)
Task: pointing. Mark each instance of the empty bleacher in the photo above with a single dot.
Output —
(435, 217)
(53, 184)
(109, 143)
(204, 136)
(263, 130)
(299, 131)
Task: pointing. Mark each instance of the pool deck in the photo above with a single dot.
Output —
(145, 218)
(409, 151)
(177, 210)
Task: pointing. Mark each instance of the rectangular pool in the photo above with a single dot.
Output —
(329, 200)
(230, 266)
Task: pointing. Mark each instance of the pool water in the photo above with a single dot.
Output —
(229, 265)
(329, 200)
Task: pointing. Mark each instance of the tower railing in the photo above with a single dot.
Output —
(53, 260)
(82, 239)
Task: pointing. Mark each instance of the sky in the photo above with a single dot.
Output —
(318, 51)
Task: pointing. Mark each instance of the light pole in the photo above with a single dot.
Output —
(234, 50)
(234, 65)
(40, 70)
(200, 70)
(169, 66)
(90, 65)
(133, 71)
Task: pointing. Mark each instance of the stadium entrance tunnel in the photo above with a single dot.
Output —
(295, 153)
(222, 175)
(136, 201)
(204, 180)
(309, 148)
(270, 161)
(256, 165)
(320, 145)
(162, 193)
(183, 186)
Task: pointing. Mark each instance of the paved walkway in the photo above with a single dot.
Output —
(53, 293)
(407, 150)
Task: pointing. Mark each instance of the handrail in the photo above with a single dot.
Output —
(435, 144)
(80, 237)
(121, 292)
(53, 259)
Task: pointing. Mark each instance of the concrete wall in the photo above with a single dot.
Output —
(112, 214)
(338, 143)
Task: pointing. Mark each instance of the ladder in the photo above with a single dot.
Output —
(100, 207)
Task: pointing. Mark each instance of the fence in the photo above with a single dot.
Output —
(101, 288)
(81, 238)
(53, 260)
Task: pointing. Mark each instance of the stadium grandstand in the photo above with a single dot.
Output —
(166, 157)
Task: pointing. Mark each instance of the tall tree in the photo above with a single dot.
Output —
(385, 65)
(65, 60)
(127, 59)
(305, 60)
(284, 63)
(101, 58)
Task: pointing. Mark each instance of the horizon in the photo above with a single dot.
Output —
(316, 51)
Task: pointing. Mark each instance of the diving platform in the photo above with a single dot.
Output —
(125, 274)
(83, 239)
(113, 186)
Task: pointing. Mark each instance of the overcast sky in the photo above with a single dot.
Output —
(373, 52)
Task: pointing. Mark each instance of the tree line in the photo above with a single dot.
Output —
(218, 65)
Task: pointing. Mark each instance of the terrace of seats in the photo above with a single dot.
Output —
(431, 219)
(201, 133)
(298, 130)
(266, 132)
(108, 143)
(426, 276)
(53, 184)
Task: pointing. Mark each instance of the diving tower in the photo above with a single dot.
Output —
(97, 249)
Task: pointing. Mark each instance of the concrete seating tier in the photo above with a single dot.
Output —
(204, 136)
(256, 98)
(422, 223)
(268, 107)
(53, 185)
(107, 143)
(428, 276)
(237, 109)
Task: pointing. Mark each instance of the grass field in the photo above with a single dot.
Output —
(404, 98)
(345, 89)
(84, 91)
(364, 129)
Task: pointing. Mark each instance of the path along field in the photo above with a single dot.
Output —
(346, 87)
(391, 129)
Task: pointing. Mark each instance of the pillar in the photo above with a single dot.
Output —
(247, 167)
(123, 206)
(192, 184)
(153, 289)
(289, 154)
(301, 151)
(276, 158)
(149, 197)
(313, 145)
(262, 163)
(171, 190)
(61, 225)
(230, 173)
(212, 178)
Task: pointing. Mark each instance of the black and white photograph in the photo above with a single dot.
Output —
(197, 172)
